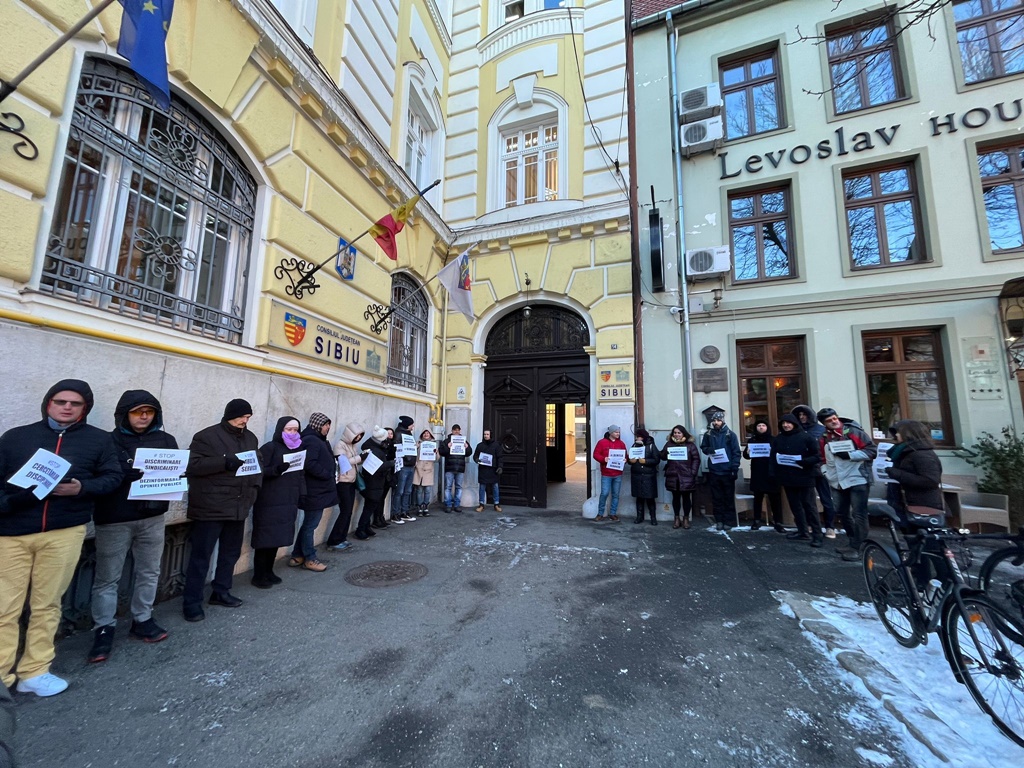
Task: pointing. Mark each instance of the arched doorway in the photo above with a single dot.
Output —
(538, 373)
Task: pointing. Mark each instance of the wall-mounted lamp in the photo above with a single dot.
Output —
(526, 309)
(717, 293)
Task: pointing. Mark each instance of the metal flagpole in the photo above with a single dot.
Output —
(7, 87)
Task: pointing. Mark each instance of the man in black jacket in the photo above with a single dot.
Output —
(488, 456)
(41, 540)
(454, 470)
(219, 500)
(123, 525)
(401, 504)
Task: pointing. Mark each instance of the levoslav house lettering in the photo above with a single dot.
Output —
(843, 143)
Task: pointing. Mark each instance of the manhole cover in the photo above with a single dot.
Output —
(394, 573)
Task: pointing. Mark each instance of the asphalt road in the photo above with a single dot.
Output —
(535, 639)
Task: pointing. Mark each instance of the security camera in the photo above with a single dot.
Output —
(675, 310)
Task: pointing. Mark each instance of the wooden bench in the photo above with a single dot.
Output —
(984, 509)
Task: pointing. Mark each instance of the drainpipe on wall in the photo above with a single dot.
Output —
(673, 46)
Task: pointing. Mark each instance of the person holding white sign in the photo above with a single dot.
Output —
(488, 457)
(643, 476)
(454, 451)
(423, 476)
(682, 467)
(611, 473)
(848, 452)
(219, 501)
(401, 502)
(277, 504)
(321, 491)
(41, 538)
(722, 448)
(794, 464)
(762, 481)
(346, 450)
(377, 473)
(124, 525)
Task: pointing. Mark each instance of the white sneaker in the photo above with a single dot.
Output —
(397, 521)
(44, 685)
(830, 533)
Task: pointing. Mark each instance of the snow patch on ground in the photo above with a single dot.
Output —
(875, 758)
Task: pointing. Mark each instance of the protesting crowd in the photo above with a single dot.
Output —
(60, 473)
(814, 457)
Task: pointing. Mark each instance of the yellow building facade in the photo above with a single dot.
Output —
(162, 249)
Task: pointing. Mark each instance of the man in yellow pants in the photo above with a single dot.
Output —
(41, 539)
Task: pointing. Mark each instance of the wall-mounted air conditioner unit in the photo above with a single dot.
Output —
(702, 263)
(701, 136)
(700, 103)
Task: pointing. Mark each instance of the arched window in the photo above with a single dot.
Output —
(407, 355)
(424, 129)
(154, 217)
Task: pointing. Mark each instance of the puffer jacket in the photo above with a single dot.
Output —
(681, 475)
(715, 439)
(214, 493)
(277, 503)
(796, 442)
(846, 473)
(643, 478)
(452, 462)
(115, 507)
(918, 472)
(321, 471)
(379, 482)
(93, 463)
(348, 446)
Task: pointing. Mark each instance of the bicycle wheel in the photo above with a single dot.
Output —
(1002, 579)
(990, 663)
(890, 594)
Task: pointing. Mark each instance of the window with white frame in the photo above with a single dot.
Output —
(300, 15)
(424, 129)
(512, 10)
(529, 160)
(407, 347)
(417, 148)
(154, 213)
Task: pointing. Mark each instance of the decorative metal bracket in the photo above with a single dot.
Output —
(13, 124)
(295, 270)
(380, 316)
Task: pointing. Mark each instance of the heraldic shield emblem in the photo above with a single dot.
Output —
(606, 375)
(294, 328)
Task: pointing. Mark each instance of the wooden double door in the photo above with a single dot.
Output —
(517, 392)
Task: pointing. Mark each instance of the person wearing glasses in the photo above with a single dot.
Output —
(124, 525)
(41, 539)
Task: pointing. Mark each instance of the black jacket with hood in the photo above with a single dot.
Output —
(813, 426)
(643, 478)
(488, 474)
(115, 507)
(379, 482)
(93, 463)
(277, 503)
(761, 478)
(796, 442)
(405, 428)
(321, 472)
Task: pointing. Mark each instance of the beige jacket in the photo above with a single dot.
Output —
(424, 472)
(348, 445)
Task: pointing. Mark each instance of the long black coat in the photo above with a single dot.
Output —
(484, 473)
(277, 504)
(379, 482)
(761, 478)
(321, 472)
(115, 507)
(214, 493)
(918, 471)
(643, 478)
(795, 443)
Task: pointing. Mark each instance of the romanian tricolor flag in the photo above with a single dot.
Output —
(384, 231)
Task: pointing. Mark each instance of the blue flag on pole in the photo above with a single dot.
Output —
(144, 26)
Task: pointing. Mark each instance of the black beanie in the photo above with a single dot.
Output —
(404, 422)
(237, 407)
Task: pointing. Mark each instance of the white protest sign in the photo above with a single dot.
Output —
(250, 464)
(155, 462)
(486, 459)
(837, 446)
(296, 461)
(399, 465)
(677, 453)
(428, 449)
(719, 456)
(409, 442)
(458, 445)
(636, 452)
(788, 459)
(166, 488)
(616, 459)
(881, 465)
(400, 451)
(44, 470)
(759, 450)
(371, 463)
(344, 465)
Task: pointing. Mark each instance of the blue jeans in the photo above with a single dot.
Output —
(423, 494)
(403, 493)
(609, 486)
(494, 493)
(453, 482)
(304, 539)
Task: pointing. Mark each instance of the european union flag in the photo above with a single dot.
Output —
(144, 26)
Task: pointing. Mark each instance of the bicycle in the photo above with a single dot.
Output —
(977, 635)
(1001, 577)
